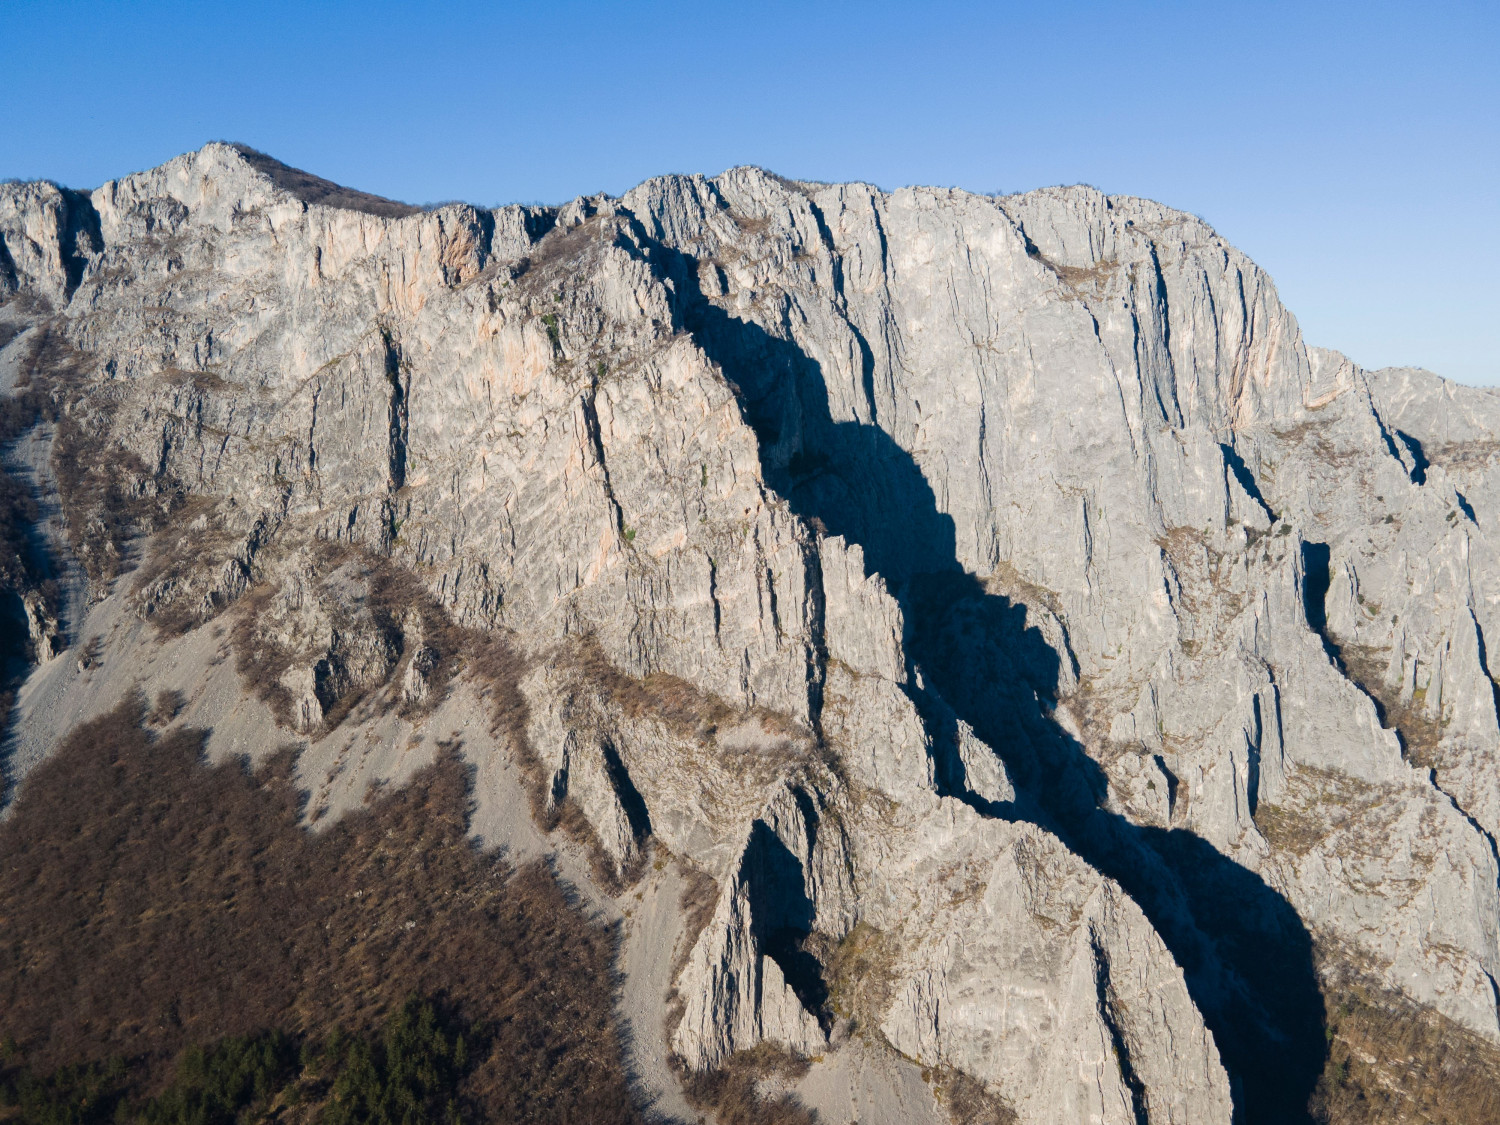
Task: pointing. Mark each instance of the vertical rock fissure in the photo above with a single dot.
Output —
(1159, 295)
(1484, 663)
(588, 405)
(1236, 465)
(1252, 750)
(631, 801)
(312, 433)
(1246, 955)
(713, 595)
(817, 656)
(782, 915)
(1317, 577)
(398, 411)
(1104, 993)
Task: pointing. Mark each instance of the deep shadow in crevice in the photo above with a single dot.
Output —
(1317, 577)
(1466, 507)
(80, 237)
(1118, 1043)
(1172, 783)
(781, 916)
(1419, 462)
(1236, 465)
(1484, 662)
(631, 801)
(1246, 955)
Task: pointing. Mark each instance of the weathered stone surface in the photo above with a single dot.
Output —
(997, 594)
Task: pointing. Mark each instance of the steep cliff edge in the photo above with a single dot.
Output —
(1038, 664)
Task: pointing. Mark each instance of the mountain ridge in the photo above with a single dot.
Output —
(996, 585)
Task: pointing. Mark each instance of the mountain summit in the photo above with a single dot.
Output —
(957, 638)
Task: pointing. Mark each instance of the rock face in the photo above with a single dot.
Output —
(1050, 660)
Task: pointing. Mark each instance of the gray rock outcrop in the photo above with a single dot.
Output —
(1045, 654)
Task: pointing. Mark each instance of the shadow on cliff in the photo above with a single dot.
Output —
(1245, 953)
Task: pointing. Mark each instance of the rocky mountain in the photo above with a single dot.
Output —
(970, 643)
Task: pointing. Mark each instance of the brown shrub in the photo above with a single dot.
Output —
(680, 705)
(49, 376)
(179, 582)
(1420, 735)
(149, 901)
(168, 706)
(392, 594)
(325, 193)
(109, 498)
(24, 573)
(733, 1092)
(683, 707)
(1393, 1060)
(18, 511)
(967, 1101)
(259, 664)
(400, 607)
(24, 566)
(107, 494)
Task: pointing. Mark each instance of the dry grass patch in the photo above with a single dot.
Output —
(1459, 456)
(966, 1100)
(682, 707)
(1319, 804)
(861, 977)
(1205, 580)
(1420, 734)
(320, 192)
(735, 1092)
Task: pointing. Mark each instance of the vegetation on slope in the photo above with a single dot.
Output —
(1393, 1061)
(736, 1092)
(160, 916)
(408, 1073)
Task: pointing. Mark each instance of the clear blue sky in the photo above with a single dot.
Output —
(1352, 149)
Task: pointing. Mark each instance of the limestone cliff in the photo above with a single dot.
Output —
(1055, 668)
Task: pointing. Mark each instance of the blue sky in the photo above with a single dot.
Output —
(1352, 149)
